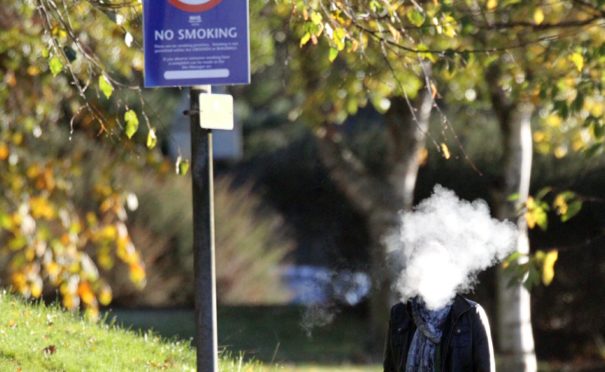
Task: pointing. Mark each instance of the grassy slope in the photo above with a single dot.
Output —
(38, 338)
(41, 338)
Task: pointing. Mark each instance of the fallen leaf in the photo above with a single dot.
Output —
(49, 350)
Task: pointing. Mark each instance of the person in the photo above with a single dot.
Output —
(455, 338)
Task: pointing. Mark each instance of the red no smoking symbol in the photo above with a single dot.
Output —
(194, 5)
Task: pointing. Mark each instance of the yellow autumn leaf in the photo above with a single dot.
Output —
(107, 233)
(445, 151)
(19, 281)
(394, 32)
(530, 219)
(86, 294)
(36, 288)
(70, 301)
(42, 208)
(578, 60)
(105, 295)
(53, 270)
(539, 136)
(560, 152)
(3, 151)
(538, 16)
(423, 156)
(548, 266)
(137, 274)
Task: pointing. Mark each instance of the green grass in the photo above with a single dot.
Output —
(270, 334)
(36, 337)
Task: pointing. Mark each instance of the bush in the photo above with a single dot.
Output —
(250, 244)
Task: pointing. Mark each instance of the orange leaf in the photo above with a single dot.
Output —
(3, 151)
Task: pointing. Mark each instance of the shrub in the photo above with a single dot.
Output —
(250, 244)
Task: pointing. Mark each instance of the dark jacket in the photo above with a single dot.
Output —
(466, 344)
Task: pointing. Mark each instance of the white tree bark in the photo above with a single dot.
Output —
(515, 336)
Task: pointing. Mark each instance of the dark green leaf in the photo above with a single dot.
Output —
(573, 208)
(594, 149)
(543, 192)
(70, 53)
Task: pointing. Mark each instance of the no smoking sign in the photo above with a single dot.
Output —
(196, 42)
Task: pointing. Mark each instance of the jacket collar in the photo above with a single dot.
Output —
(460, 306)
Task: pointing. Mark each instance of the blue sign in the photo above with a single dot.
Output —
(196, 42)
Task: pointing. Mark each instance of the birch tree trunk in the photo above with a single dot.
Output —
(515, 336)
(381, 199)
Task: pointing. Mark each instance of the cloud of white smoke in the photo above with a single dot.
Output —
(444, 243)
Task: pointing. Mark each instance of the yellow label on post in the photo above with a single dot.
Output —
(216, 111)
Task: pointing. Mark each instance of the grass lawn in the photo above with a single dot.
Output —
(270, 334)
(41, 338)
(35, 337)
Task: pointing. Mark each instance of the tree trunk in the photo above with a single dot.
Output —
(381, 199)
(515, 337)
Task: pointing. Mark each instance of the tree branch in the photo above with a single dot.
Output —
(350, 175)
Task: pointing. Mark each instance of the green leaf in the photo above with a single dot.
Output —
(305, 39)
(339, 38)
(132, 123)
(415, 17)
(513, 197)
(55, 65)
(533, 278)
(152, 139)
(543, 192)
(513, 257)
(594, 149)
(598, 129)
(105, 86)
(573, 208)
(182, 166)
(333, 54)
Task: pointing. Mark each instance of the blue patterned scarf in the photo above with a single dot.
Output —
(429, 329)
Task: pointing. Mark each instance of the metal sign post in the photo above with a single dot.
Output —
(190, 43)
(203, 237)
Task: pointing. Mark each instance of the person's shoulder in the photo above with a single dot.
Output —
(399, 313)
(398, 308)
(462, 302)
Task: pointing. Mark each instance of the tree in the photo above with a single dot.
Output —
(51, 79)
(71, 81)
(505, 42)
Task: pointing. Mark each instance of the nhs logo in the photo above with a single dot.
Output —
(195, 20)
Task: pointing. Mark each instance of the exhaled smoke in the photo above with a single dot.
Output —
(444, 243)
